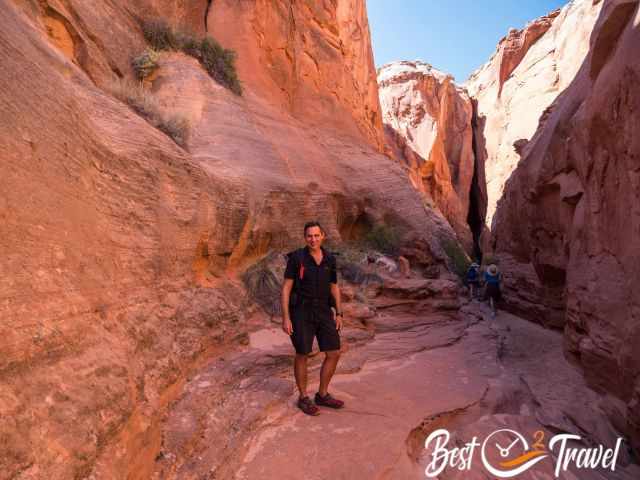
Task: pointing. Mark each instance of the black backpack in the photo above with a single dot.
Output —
(294, 296)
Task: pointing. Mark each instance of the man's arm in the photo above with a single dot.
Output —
(287, 327)
(335, 292)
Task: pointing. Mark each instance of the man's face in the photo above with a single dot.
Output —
(314, 237)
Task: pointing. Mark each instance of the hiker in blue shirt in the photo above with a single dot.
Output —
(472, 280)
(492, 292)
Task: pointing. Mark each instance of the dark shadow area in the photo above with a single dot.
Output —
(478, 193)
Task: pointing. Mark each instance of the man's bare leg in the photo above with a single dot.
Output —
(328, 369)
(300, 372)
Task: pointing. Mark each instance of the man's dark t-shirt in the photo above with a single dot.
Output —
(316, 278)
(311, 315)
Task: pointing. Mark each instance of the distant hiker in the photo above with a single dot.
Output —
(310, 289)
(472, 279)
(492, 292)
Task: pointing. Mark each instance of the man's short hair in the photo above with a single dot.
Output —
(313, 223)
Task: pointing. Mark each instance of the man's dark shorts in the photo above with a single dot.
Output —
(492, 290)
(314, 321)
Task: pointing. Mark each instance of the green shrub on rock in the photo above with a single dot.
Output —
(219, 62)
(145, 63)
(159, 34)
(384, 239)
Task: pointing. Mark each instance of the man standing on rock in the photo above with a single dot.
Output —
(311, 274)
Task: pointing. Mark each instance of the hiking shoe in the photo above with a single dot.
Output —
(306, 405)
(328, 401)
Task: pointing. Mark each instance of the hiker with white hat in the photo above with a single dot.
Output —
(492, 287)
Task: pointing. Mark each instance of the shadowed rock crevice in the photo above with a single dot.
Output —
(206, 15)
(416, 439)
(515, 88)
(478, 191)
(355, 228)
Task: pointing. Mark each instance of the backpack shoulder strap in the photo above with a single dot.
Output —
(296, 256)
(299, 256)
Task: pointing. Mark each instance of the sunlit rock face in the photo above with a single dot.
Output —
(427, 120)
(528, 70)
(313, 59)
(567, 228)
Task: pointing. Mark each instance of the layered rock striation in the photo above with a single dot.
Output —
(312, 59)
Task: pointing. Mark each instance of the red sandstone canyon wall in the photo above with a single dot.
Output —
(528, 70)
(122, 248)
(566, 229)
(313, 59)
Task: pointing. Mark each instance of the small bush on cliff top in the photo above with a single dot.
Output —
(145, 63)
(145, 104)
(219, 62)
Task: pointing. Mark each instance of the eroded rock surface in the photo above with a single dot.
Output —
(313, 59)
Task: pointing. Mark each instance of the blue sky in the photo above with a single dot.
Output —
(455, 36)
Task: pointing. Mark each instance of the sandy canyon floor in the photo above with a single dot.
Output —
(413, 368)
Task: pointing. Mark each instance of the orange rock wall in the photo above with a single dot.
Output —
(311, 58)
(122, 249)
